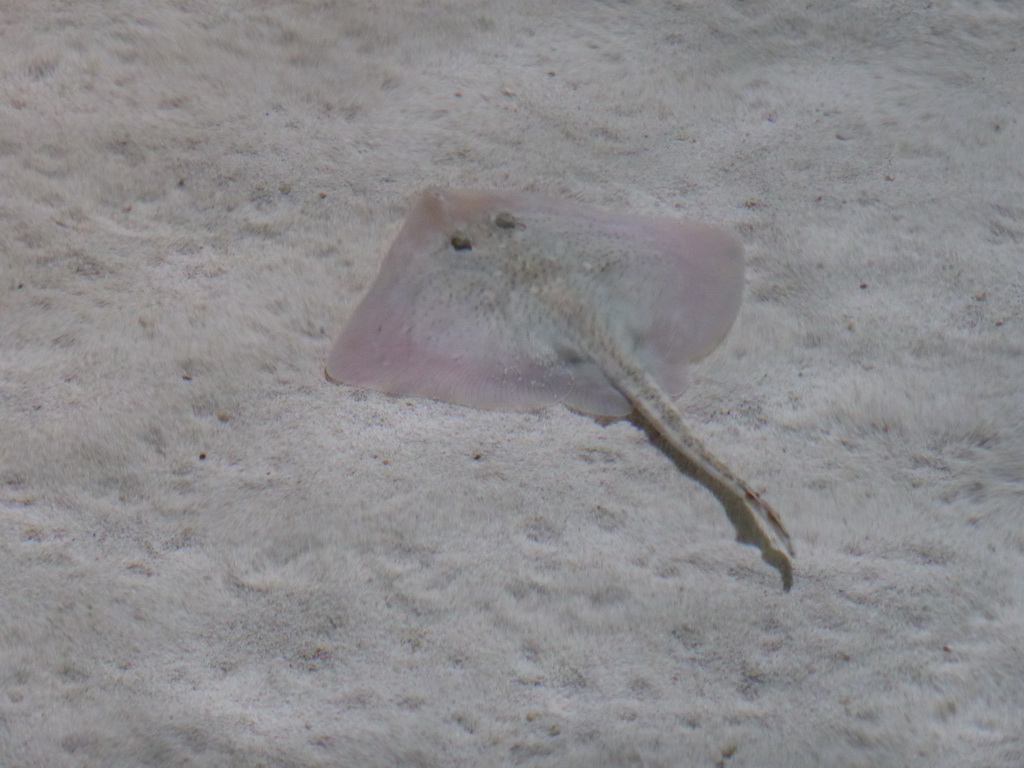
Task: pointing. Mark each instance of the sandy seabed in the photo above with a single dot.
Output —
(211, 556)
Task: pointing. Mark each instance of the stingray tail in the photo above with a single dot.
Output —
(755, 522)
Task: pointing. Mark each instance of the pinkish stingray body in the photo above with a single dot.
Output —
(516, 301)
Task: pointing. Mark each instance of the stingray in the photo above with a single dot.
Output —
(517, 301)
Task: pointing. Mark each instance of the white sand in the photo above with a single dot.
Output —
(194, 195)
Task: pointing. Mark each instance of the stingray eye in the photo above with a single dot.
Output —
(505, 221)
(461, 243)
